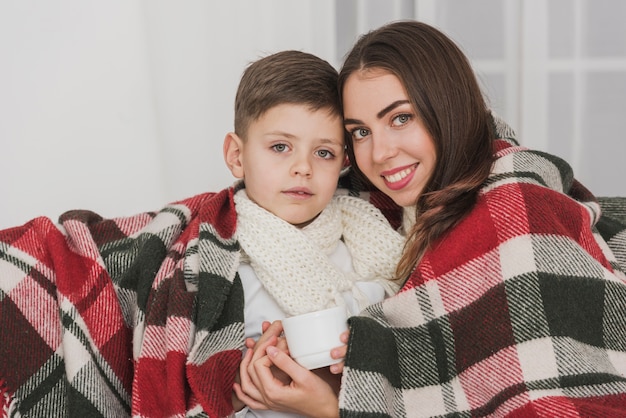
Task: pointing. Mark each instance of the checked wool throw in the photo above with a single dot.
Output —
(519, 311)
(135, 316)
(107, 318)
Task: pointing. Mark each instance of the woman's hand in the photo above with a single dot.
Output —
(340, 353)
(314, 393)
(307, 393)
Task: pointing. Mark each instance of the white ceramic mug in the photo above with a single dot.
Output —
(311, 336)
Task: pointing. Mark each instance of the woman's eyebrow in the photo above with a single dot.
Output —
(352, 122)
(389, 108)
(379, 115)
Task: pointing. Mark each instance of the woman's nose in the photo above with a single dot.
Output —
(383, 147)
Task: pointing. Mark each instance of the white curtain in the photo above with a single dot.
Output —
(556, 70)
(121, 106)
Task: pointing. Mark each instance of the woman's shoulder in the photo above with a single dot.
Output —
(518, 164)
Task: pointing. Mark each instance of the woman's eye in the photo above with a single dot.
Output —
(279, 147)
(325, 154)
(360, 133)
(401, 119)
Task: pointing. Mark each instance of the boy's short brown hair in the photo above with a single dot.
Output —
(285, 77)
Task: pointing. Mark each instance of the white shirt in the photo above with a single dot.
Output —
(260, 307)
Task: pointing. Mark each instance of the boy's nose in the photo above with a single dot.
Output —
(302, 167)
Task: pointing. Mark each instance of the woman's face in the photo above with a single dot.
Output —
(391, 145)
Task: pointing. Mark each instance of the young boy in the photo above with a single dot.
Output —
(147, 315)
(303, 248)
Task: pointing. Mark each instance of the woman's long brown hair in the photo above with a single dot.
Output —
(446, 96)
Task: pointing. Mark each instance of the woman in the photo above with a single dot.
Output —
(512, 303)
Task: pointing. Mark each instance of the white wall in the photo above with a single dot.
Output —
(77, 114)
(121, 106)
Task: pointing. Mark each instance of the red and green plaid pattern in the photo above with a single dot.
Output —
(139, 315)
(518, 311)
(136, 316)
(143, 315)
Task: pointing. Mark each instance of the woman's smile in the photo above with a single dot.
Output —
(398, 178)
(391, 145)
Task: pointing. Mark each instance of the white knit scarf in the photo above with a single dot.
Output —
(293, 263)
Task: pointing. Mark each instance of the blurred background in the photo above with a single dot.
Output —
(121, 106)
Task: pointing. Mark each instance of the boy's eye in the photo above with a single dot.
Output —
(325, 154)
(401, 119)
(279, 147)
(360, 133)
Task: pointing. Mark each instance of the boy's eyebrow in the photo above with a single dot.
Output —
(380, 114)
(331, 141)
(291, 136)
(280, 133)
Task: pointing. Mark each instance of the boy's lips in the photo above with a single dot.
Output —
(298, 192)
(397, 178)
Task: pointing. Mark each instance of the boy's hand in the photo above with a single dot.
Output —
(244, 388)
(269, 329)
(245, 392)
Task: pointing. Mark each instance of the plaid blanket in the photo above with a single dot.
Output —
(138, 315)
(143, 315)
(518, 311)
(134, 316)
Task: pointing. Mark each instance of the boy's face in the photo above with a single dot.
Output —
(290, 161)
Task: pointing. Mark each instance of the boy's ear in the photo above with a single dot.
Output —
(233, 149)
